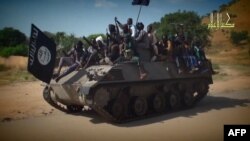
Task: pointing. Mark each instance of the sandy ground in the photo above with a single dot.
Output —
(25, 116)
(17, 62)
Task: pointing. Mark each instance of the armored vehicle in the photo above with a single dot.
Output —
(118, 94)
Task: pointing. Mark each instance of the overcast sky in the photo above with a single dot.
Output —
(85, 17)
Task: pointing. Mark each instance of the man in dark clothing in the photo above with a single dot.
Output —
(71, 57)
(76, 57)
(113, 41)
(189, 58)
(177, 51)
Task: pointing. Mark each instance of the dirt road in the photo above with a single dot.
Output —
(25, 116)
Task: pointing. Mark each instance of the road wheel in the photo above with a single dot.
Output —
(140, 106)
(174, 100)
(159, 103)
(117, 109)
(188, 99)
(202, 91)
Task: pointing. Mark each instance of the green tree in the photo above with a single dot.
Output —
(52, 36)
(59, 37)
(187, 22)
(69, 41)
(237, 37)
(65, 41)
(11, 37)
(20, 50)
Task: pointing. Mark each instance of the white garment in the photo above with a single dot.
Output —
(91, 49)
(99, 38)
(133, 30)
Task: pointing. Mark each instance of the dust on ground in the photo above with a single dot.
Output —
(23, 100)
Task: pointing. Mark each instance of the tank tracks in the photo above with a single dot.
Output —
(170, 106)
(112, 111)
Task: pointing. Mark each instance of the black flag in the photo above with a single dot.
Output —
(42, 55)
(141, 2)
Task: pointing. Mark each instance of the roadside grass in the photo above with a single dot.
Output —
(8, 75)
(230, 55)
(244, 70)
(216, 66)
(223, 75)
(243, 57)
(220, 75)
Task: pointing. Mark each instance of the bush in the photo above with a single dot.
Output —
(21, 50)
(237, 37)
(11, 37)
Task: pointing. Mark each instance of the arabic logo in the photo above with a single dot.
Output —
(43, 55)
(219, 21)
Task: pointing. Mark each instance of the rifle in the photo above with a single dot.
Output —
(108, 38)
(88, 41)
(117, 28)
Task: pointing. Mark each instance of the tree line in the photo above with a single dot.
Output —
(14, 42)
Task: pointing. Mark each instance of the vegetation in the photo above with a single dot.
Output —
(11, 37)
(12, 42)
(237, 37)
(65, 41)
(19, 50)
(187, 21)
(224, 7)
(62, 40)
(11, 75)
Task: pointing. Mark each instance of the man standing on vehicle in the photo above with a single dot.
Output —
(130, 25)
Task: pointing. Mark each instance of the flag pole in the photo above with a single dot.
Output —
(138, 14)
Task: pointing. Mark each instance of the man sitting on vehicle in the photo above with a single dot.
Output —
(113, 42)
(77, 59)
(130, 26)
(71, 57)
(189, 58)
(102, 51)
